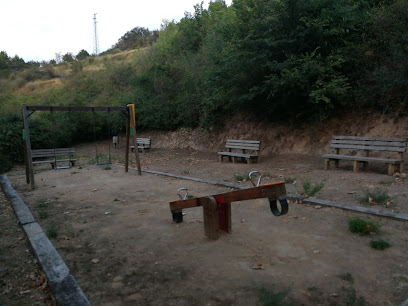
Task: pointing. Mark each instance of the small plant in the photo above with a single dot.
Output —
(354, 300)
(270, 298)
(190, 196)
(41, 204)
(387, 182)
(42, 214)
(379, 244)
(290, 180)
(346, 277)
(310, 189)
(375, 196)
(115, 199)
(241, 177)
(107, 167)
(267, 174)
(360, 226)
(52, 230)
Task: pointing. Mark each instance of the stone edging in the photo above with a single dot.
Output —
(62, 283)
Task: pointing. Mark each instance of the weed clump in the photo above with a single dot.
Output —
(360, 226)
(379, 244)
(52, 231)
(375, 196)
(310, 189)
(270, 297)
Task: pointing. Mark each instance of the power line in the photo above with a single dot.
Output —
(96, 44)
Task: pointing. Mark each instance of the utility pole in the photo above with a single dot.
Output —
(96, 44)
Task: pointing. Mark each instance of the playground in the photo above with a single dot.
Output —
(114, 230)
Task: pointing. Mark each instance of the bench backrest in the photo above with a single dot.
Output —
(369, 143)
(145, 141)
(243, 144)
(53, 152)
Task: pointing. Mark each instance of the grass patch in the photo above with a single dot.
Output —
(52, 231)
(375, 196)
(360, 226)
(379, 244)
(241, 177)
(107, 167)
(290, 180)
(387, 182)
(346, 277)
(41, 204)
(43, 214)
(310, 189)
(353, 300)
(190, 196)
(271, 298)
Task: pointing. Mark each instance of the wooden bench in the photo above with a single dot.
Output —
(142, 144)
(243, 146)
(367, 144)
(57, 155)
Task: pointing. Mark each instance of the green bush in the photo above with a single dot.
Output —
(360, 226)
(379, 244)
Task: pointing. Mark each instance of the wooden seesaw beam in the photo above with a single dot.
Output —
(217, 208)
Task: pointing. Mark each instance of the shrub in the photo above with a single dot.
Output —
(379, 244)
(360, 226)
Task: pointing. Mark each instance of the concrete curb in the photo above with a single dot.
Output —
(62, 283)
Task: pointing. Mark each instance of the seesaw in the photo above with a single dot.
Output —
(217, 208)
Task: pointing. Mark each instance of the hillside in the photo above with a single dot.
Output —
(280, 138)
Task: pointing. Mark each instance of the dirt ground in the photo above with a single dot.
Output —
(21, 279)
(115, 233)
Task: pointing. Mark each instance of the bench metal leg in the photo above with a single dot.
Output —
(356, 166)
(221, 158)
(327, 164)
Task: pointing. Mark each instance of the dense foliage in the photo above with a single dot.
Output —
(275, 59)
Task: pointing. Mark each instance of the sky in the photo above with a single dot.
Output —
(36, 30)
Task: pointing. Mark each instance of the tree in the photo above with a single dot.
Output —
(83, 54)
(68, 58)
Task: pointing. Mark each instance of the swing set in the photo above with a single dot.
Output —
(128, 110)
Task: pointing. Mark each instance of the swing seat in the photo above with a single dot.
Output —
(58, 155)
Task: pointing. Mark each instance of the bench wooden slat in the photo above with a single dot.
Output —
(370, 143)
(53, 161)
(373, 148)
(243, 147)
(398, 139)
(237, 154)
(362, 158)
(244, 141)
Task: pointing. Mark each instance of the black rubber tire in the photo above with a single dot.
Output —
(273, 204)
(177, 216)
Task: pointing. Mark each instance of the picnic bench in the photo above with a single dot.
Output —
(368, 145)
(53, 156)
(142, 144)
(248, 150)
